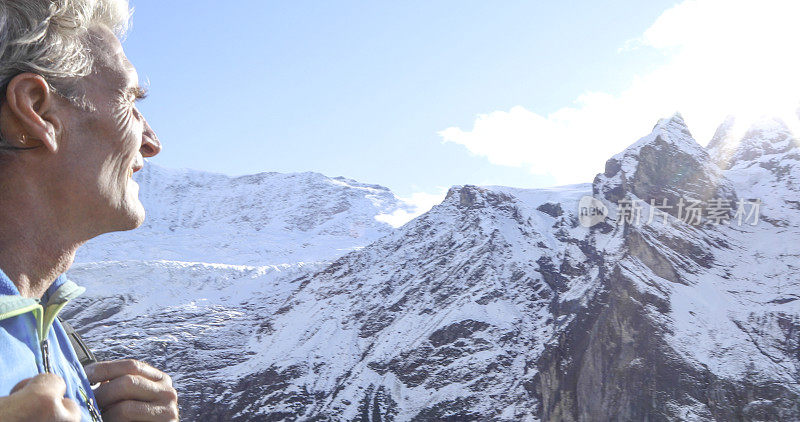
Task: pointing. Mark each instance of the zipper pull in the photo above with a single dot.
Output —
(46, 355)
(94, 412)
(90, 404)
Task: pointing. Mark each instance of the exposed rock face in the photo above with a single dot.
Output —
(666, 165)
(498, 305)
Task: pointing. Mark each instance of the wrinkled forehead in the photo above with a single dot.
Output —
(110, 62)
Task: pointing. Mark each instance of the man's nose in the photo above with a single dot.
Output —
(150, 143)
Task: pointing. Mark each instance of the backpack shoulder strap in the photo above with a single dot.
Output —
(85, 355)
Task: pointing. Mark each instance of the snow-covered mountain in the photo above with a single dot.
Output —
(495, 305)
(261, 219)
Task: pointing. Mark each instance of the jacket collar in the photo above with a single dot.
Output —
(57, 284)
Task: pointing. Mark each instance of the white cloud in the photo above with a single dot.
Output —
(725, 57)
(418, 203)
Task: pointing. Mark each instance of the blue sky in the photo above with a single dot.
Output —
(372, 90)
(360, 89)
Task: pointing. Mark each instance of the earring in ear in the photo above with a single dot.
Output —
(24, 139)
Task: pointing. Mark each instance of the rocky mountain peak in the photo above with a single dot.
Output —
(668, 164)
(768, 129)
(673, 125)
(470, 196)
(722, 134)
(766, 138)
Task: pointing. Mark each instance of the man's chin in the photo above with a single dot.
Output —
(133, 218)
(137, 217)
(137, 222)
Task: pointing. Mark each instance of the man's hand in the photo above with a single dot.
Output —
(133, 391)
(40, 398)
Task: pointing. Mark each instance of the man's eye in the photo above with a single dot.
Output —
(139, 94)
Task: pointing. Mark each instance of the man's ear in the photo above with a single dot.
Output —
(27, 116)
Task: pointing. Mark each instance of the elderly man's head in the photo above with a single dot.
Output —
(70, 133)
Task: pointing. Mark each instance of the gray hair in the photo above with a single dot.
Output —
(49, 38)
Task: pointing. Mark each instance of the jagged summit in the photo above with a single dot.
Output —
(668, 133)
(470, 196)
(722, 135)
(765, 139)
(768, 129)
(673, 124)
(668, 164)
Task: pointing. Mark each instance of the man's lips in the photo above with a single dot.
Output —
(136, 167)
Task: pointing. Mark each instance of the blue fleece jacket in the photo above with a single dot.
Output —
(32, 341)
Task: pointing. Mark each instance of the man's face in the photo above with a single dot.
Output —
(101, 149)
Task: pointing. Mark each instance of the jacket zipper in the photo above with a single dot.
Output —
(39, 311)
(45, 347)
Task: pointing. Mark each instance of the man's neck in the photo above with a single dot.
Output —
(34, 250)
(33, 267)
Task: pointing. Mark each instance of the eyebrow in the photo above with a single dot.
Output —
(139, 92)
